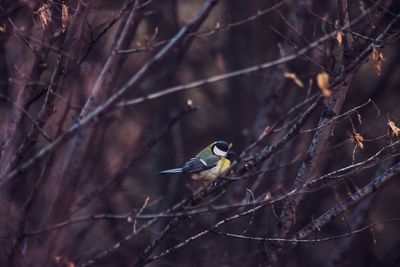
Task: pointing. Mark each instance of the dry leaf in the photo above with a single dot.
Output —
(156, 31)
(339, 37)
(359, 118)
(148, 40)
(70, 264)
(323, 83)
(3, 28)
(393, 129)
(64, 17)
(294, 78)
(44, 14)
(377, 56)
(230, 146)
(358, 139)
(189, 102)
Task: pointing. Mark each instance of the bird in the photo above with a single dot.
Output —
(208, 164)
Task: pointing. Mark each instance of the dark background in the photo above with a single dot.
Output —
(130, 145)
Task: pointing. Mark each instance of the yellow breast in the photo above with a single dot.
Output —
(212, 174)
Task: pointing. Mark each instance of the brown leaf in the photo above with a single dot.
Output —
(357, 139)
(294, 78)
(149, 40)
(2, 28)
(323, 84)
(359, 118)
(339, 37)
(393, 129)
(268, 196)
(44, 14)
(70, 264)
(64, 17)
(377, 56)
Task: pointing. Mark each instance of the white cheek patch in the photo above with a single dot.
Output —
(219, 152)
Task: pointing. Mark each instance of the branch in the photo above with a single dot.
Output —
(355, 221)
(198, 197)
(132, 161)
(229, 75)
(300, 236)
(218, 28)
(26, 113)
(353, 199)
(332, 176)
(312, 241)
(323, 135)
(67, 186)
(109, 25)
(111, 101)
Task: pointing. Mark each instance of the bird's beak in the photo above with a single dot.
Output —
(231, 155)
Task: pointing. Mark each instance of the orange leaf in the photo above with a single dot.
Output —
(64, 16)
(294, 78)
(44, 14)
(377, 56)
(339, 37)
(268, 196)
(358, 139)
(393, 129)
(323, 84)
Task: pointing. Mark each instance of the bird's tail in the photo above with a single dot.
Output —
(176, 170)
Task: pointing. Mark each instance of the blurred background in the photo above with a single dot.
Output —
(111, 166)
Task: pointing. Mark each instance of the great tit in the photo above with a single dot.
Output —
(209, 163)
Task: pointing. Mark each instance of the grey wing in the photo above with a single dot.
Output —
(197, 165)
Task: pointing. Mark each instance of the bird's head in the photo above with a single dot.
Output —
(220, 148)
